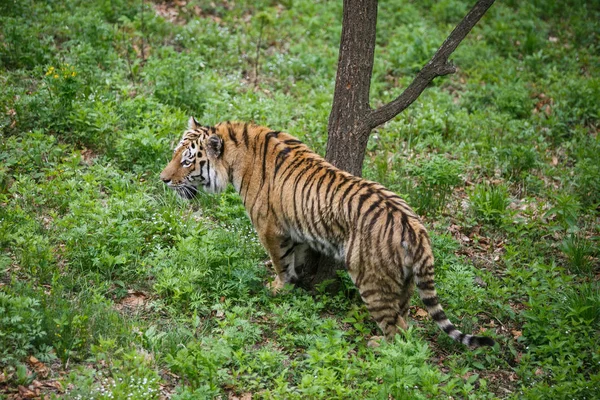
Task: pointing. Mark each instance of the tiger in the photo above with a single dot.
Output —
(297, 201)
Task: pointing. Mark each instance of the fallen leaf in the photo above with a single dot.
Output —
(421, 313)
(134, 299)
(56, 385)
(39, 367)
(26, 393)
(516, 334)
(538, 372)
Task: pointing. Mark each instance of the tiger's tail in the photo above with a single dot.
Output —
(424, 280)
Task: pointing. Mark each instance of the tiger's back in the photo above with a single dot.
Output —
(296, 201)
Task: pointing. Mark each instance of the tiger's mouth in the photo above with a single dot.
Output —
(185, 191)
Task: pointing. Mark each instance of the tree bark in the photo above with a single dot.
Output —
(348, 126)
(352, 119)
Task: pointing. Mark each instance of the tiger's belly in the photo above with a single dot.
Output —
(318, 244)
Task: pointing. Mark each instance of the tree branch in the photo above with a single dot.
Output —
(437, 66)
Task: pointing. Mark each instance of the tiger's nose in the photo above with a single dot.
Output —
(164, 178)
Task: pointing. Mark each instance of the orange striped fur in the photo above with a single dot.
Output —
(296, 200)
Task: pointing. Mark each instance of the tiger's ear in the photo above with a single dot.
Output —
(214, 146)
(193, 124)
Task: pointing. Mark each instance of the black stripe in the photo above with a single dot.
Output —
(430, 302)
(327, 225)
(290, 168)
(333, 175)
(295, 192)
(288, 252)
(306, 197)
(420, 247)
(373, 308)
(362, 198)
(426, 285)
(272, 134)
(281, 157)
(351, 196)
(449, 328)
(245, 135)
(231, 133)
(439, 315)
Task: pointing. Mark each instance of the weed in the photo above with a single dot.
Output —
(21, 329)
(127, 374)
(489, 203)
(566, 210)
(579, 252)
(437, 178)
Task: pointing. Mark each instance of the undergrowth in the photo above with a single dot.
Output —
(112, 287)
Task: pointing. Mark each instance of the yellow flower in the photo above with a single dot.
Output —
(73, 73)
(55, 76)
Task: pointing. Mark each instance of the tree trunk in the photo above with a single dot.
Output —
(348, 129)
(352, 119)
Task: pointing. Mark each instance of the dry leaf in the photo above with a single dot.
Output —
(39, 367)
(421, 313)
(26, 393)
(516, 334)
(134, 299)
(244, 396)
(56, 385)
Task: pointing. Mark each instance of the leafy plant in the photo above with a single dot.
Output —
(566, 210)
(489, 202)
(21, 329)
(127, 374)
(580, 253)
(436, 179)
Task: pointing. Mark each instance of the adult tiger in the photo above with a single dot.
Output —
(297, 200)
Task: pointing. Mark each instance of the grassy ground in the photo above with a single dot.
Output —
(111, 287)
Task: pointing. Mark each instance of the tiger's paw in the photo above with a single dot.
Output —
(276, 285)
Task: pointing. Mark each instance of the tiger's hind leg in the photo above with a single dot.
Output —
(406, 295)
(383, 298)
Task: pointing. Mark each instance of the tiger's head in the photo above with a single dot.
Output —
(197, 162)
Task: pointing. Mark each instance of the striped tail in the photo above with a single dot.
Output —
(425, 285)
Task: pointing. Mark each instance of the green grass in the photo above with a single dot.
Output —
(122, 289)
